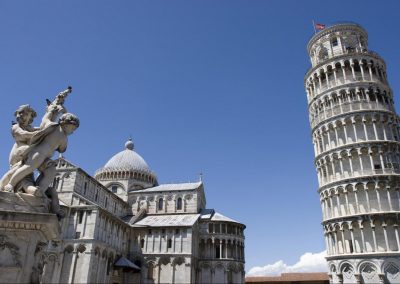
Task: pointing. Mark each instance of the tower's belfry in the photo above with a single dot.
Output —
(357, 155)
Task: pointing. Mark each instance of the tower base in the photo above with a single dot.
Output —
(368, 268)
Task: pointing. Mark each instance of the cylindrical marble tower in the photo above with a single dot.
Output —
(357, 155)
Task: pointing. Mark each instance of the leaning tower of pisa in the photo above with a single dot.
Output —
(357, 155)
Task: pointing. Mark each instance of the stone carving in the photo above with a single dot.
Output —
(9, 255)
(34, 147)
(37, 268)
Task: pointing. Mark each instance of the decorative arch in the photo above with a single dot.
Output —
(178, 260)
(391, 269)
(347, 269)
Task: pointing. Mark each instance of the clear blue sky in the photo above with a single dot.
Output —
(206, 86)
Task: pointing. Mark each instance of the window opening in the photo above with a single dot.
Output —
(80, 219)
(160, 204)
(179, 204)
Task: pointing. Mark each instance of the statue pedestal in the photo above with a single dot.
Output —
(25, 230)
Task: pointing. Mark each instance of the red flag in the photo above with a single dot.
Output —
(319, 26)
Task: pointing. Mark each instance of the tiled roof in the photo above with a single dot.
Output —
(174, 187)
(185, 220)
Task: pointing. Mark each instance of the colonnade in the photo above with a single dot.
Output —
(355, 128)
(221, 248)
(359, 198)
(357, 68)
(349, 100)
(363, 235)
(360, 160)
(225, 228)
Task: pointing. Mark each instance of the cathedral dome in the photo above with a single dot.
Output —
(127, 165)
(127, 159)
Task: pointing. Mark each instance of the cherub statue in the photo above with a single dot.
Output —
(35, 146)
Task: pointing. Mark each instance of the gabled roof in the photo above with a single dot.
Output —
(181, 220)
(64, 163)
(174, 187)
(210, 214)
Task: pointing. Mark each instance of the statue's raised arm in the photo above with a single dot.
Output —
(55, 108)
(34, 148)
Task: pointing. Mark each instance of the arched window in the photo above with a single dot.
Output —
(334, 41)
(160, 204)
(169, 244)
(142, 243)
(179, 204)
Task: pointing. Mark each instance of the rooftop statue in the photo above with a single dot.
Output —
(34, 147)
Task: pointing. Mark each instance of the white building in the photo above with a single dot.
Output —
(355, 132)
(123, 227)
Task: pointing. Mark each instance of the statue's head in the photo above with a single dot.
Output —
(69, 122)
(25, 115)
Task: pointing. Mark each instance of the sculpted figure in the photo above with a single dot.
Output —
(43, 144)
(22, 131)
(34, 147)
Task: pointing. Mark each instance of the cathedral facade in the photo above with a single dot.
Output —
(355, 132)
(122, 226)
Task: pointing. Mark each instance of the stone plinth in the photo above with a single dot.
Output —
(25, 231)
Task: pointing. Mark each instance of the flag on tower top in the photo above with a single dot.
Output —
(319, 26)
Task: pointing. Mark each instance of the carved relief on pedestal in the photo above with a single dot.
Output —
(9, 253)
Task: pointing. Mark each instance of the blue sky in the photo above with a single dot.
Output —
(202, 86)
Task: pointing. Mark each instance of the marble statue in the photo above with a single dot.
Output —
(34, 147)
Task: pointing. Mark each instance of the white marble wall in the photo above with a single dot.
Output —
(190, 200)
